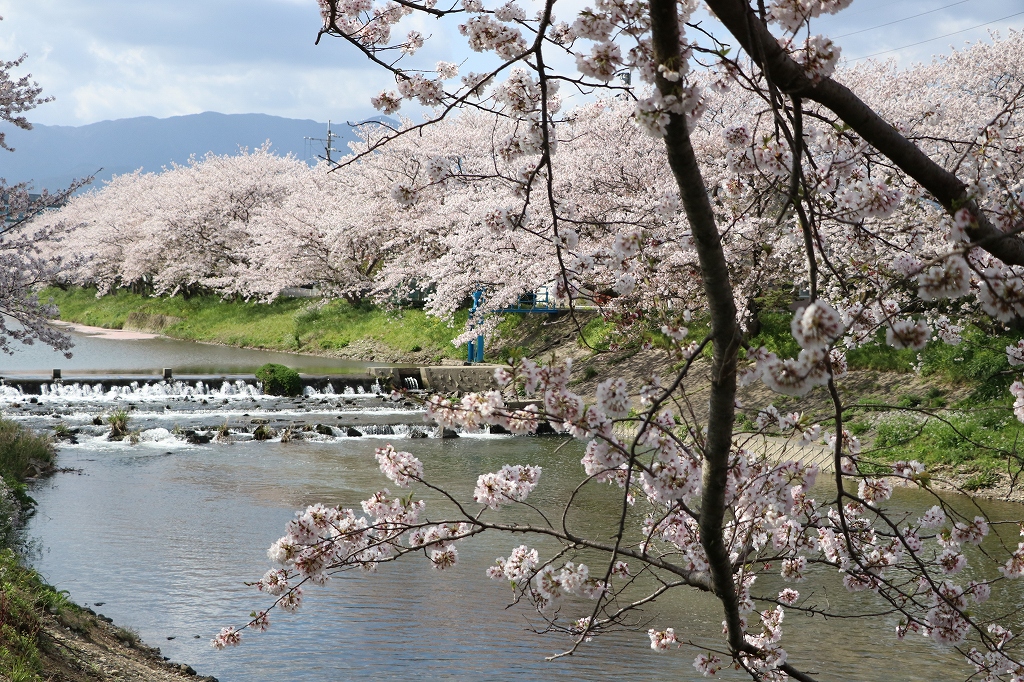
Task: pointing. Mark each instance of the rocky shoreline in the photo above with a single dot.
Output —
(80, 645)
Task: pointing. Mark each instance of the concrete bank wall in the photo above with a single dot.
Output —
(441, 379)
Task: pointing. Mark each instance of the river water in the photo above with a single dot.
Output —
(160, 536)
(108, 352)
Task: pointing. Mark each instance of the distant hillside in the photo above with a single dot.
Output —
(50, 156)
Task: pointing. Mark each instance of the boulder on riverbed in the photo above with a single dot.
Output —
(196, 438)
(263, 432)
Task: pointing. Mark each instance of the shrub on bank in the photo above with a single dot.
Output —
(22, 452)
(279, 380)
(23, 594)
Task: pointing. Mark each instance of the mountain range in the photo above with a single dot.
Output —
(51, 156)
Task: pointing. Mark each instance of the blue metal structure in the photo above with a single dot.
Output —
(534, 302)
(475, 351)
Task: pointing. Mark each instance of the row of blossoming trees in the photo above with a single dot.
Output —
(242, 226)
(441, 210)
(891, 197)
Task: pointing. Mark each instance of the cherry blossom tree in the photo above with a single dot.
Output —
(194, 228)
(23, 270)
(744, 160)
(897, 214)
(246, 225)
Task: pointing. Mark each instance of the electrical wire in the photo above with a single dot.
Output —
(890, 23)
(922, 42)
(860, 8)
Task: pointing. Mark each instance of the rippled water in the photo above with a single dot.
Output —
(164, 533)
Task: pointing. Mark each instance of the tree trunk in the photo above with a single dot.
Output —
(724, 329)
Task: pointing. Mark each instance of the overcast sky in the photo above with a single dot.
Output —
(105, 59)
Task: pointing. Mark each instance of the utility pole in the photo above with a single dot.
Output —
(328, 143)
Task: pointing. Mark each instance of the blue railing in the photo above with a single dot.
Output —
(535, 302)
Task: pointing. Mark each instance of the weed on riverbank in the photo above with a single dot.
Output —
(23, 595)
(335, 328)
(23, 453)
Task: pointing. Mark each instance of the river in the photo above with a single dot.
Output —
(99, 351)
(161, 535)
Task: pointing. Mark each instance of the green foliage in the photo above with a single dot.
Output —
(62, 430)
(598, 333)
(279, 380)
(23, 452)
(286, 324)
(978, 437)
(775, 334)
(127, 636)
(910, 400)
(858, 428)
(118, 421)
(981, 480)
(895, 431)
(980, 360)
(24, 596)
(263, 432)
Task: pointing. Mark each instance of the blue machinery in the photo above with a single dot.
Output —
(534, 302)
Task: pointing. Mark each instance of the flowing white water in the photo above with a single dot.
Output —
(159, 391)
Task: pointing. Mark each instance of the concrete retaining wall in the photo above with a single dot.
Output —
(441, 379)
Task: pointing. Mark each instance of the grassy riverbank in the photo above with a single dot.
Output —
(43, 635)
(948, 406)
(24, 596)
(336, 328)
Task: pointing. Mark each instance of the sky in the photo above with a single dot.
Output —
(108, 59)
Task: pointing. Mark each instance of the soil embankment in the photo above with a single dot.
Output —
(81, 646)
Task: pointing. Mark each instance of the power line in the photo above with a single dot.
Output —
(922, 42)
(890, 23)
(855, 10)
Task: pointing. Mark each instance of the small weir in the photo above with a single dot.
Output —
(204, 409)
(166, 409)
(141, 387)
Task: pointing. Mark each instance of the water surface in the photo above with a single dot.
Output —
(163, 534)
(95, 355)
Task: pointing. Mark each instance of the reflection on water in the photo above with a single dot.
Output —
(94, 355)
(165, 540)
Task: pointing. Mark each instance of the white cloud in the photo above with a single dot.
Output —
(118, 58)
